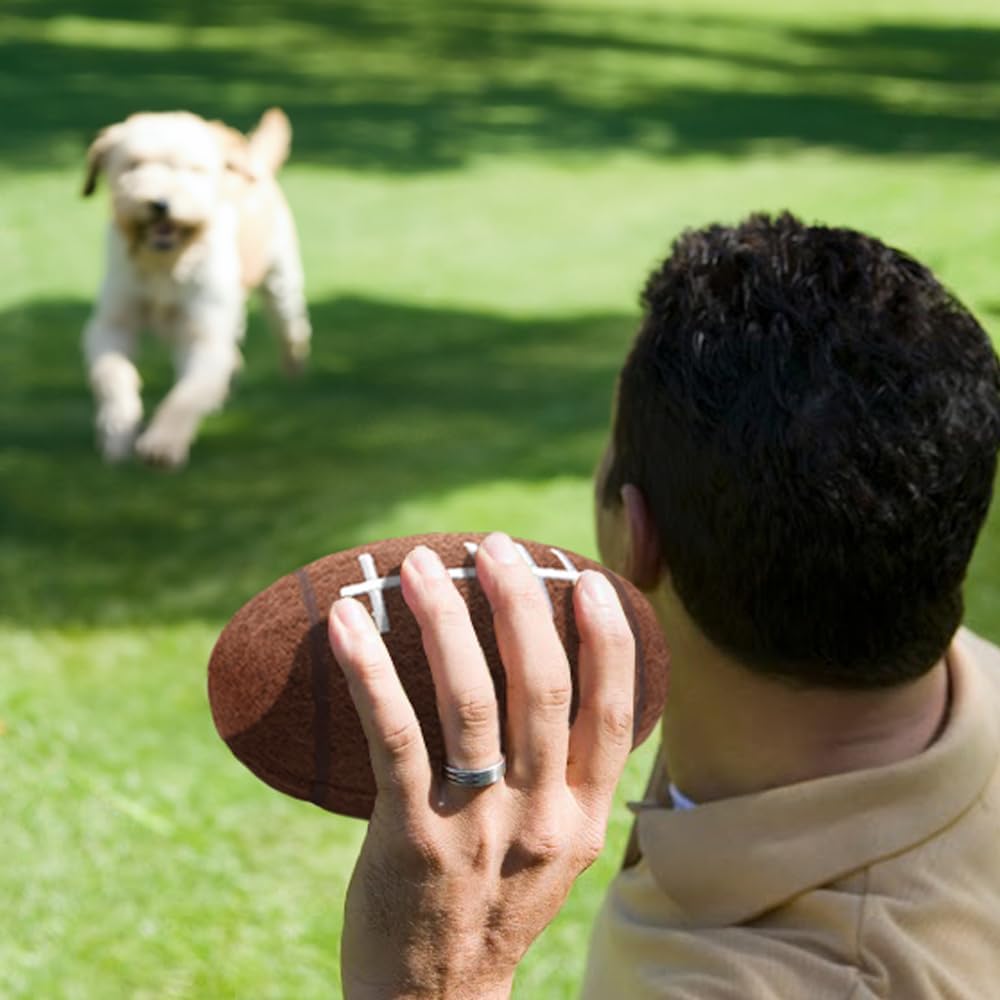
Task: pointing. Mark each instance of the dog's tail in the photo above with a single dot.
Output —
(271, 140)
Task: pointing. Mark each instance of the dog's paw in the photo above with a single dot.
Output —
(163, 447)
(117, 427)
(295, 349)
(116, 448)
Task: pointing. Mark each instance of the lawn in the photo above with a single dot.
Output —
(480, 189)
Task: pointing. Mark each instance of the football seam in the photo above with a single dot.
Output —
(320, 671)
(310, 723)
(269, 772)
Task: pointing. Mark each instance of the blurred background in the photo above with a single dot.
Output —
(480, 189)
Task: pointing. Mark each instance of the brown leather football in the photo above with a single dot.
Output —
(281, 703)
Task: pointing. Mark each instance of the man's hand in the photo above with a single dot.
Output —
(453, 884)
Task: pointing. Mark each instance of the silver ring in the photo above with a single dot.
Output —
(479, 778)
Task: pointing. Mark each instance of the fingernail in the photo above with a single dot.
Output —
(501, 548)
(352, 615)
(426, 562)
(597, 588)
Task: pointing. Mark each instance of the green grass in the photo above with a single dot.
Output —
(480, 189)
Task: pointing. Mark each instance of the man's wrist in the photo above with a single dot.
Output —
(356, 990)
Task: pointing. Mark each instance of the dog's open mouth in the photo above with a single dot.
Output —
(164, 235)
(161, 236)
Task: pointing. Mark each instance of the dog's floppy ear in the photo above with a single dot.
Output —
(235, 149)
(105, 139)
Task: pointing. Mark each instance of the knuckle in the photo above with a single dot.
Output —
(364, 674)
(401, 741)
(368, 664)
(476, 712)
(542, 843)
(616, 722)
(423, 854)
(554, 699)
(404, 842)
(425, 850)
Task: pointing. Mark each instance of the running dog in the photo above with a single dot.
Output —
(198, 220)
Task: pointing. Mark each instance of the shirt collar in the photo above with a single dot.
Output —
(730, 860)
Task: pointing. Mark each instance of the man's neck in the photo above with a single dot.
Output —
(728, 731)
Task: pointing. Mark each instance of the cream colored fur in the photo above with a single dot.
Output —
(198, 220)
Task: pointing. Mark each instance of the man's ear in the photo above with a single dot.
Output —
(105, 139)
(644, 558)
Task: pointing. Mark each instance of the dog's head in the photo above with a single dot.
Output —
(166, 173)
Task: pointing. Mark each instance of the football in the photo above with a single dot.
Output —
(280, 701)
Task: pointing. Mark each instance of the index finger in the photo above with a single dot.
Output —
(395, 741)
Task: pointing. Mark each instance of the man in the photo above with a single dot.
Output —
(803, 454)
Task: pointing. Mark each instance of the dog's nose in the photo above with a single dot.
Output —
(160, 206)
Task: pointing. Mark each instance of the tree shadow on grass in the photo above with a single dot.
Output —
(404, 87)
(400, 403)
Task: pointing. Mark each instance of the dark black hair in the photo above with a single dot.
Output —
(815, 422)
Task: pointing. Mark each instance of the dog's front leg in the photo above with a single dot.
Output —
(284, 297)
(205, 367)
(108, 346)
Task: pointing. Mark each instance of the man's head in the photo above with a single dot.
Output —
(813, 422)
